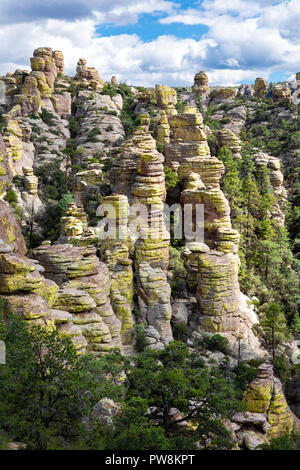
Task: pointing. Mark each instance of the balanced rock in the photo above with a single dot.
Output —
(201, 84)
(260, 88)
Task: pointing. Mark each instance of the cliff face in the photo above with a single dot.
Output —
(213, 265)
(64, 136)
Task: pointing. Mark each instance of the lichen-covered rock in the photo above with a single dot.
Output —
(223, 94)
(154, 300)
(73, 224)
(281, 95)
(62, 104)
(84, 292)
(260, 88)
(265, 396)
(138, 173)
(88, 76)
(10, 231)
(115, 252)
(166, 99)
(29, 89)
(201, 84)
(24, 289)
(99, 123)
(230, 139)
(212, 263)
(85, 183)
(30, 181)
(275, 174)
(59, 61)
(13, 139)
(163, 129)
(5, 170)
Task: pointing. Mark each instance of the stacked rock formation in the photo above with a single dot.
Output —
(73, 224)
(88, 76)
(166, 99)
(29, 88)
(30, 181)
(201, 84)
(5, 170)
(115, 252)
(13, 137)
(260, 88)
(223, 94)
(23, 288)
(266, 399)
(114, 80)
(273, 165)
(86, 182)
(213, 263)
(281, 95)
(163, 129)
(143, 182)
(84, 287)
(230, 139)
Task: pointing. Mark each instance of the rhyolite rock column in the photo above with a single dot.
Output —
(260, 88)
(115, 253)
(212, 263)
(84, 288)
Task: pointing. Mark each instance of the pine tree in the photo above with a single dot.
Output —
(274, 326)
(231, 184)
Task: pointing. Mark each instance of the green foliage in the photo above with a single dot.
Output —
(64, 202)
(47, 117)
(171, 178)
(177, 273)
(160, 147)
(285, 442)
(47, 390)
(245, 373)
(93, 134)
(109, 90)
(11, 196)
(216, 343)
(74, 126)
(274, 326)
(180, 105)
(282, 368)
(140, 338)
(125, 90)
(50, 192)
(40, 392)
(180, 332)
(231, 181)
(159, 381)
(128, 118)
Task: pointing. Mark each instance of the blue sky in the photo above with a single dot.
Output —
(145, 42)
